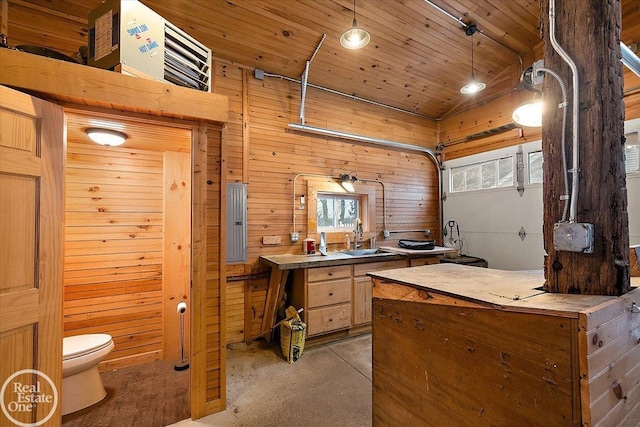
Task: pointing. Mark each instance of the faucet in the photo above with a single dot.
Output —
(358, 231)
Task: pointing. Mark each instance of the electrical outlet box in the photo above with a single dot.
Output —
(573, 237)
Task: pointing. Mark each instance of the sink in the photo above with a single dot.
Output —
(362, 252)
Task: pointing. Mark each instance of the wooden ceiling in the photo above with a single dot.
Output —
(417, 60)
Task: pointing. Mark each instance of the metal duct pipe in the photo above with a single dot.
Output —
(305, 78)
(303, 91)
(573, 210)
(383, 143)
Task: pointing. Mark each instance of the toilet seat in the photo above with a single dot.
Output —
(81, 345)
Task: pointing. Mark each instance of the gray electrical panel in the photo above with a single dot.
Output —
(236, 222)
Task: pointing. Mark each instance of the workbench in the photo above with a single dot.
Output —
(468, 346)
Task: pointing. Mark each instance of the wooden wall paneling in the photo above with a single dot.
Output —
(235, 301)
(610, 369)
(97, 297)
(214, 310)
(199, 249)
(277, 154)
(245, 125)
(176, 266)
(230, 83)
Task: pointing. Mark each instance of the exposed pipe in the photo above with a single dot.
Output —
(564, 106)
(348, 95)
(576, 105)
(384, 200)
(385, 231)
(294, 233)
(305, 78)
(303, 91)
(465, 25)
(384, 143)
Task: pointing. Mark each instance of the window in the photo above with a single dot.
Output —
(482, 176)
(632, 153)
(535, 167)
(337, 212)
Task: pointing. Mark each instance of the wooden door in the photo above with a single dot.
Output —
(31, 242)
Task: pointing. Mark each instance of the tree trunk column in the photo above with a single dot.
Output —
(589, 31)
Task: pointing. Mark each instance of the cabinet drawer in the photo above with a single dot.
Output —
(326, 319)
(327, 293)
(327, 273)
(362, 269)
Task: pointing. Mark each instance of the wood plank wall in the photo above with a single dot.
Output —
(115, 254)
(268, 156)
(113, 248)
(610, 367)
(215, 272)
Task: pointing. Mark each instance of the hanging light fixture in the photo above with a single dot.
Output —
(473, 86)
(354, 37)
(107, 137)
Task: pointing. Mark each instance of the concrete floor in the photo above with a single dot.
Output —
(329, 385)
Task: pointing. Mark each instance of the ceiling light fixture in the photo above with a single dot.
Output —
(354, 37)
(347, 182)
(473, 86)
(107, 137)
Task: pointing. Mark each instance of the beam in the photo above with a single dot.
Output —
(589, 32)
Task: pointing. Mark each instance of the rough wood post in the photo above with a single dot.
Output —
(589, 31)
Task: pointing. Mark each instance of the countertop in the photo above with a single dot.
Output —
(507, 290)
(290, 262)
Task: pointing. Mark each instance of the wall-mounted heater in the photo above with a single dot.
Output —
(128, 37)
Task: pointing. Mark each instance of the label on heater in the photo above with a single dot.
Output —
(104, 35)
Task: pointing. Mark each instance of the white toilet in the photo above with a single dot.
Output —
(81, 382)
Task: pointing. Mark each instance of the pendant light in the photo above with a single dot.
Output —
(473, 86)
(354, 37)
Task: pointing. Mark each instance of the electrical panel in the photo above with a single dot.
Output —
(128, 34)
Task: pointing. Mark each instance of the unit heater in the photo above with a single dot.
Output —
(127, 36)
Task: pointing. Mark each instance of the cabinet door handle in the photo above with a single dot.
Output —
(330, 294)
(331, 319)
(331, 273)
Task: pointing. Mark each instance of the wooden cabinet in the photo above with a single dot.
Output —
(363, 288)
(362, 294)
(325, 295)
(339, 297)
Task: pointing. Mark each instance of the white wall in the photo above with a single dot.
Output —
(490, 220)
